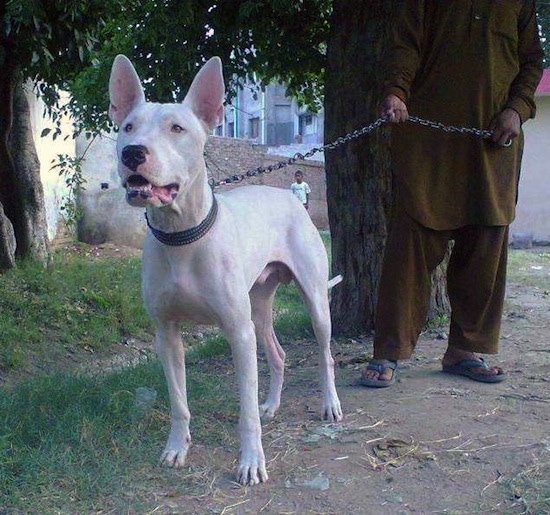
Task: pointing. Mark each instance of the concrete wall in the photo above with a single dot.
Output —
(106, 216)
(100, 160)
(48, 149)
(533, 209)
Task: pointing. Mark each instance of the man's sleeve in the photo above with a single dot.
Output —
(530, 54)
(402, 58)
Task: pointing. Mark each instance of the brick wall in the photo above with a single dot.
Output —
(230, 156)
(227, 156)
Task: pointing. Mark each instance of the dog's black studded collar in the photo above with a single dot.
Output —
(189, 235)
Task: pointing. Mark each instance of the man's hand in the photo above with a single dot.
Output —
(505, 127)
(394, 109)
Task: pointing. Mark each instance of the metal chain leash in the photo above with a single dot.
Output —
(482, 133)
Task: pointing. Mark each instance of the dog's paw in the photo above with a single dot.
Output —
(173, 458)
(252, 472)
(268, 409)
(332, 411)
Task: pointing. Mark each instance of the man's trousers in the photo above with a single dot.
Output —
(476, 280)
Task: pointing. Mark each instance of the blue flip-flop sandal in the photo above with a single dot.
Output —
(472, 369)
(380, 365)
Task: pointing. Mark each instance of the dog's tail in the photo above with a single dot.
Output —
(334, 281)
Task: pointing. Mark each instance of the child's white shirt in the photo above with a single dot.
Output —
(301, 191)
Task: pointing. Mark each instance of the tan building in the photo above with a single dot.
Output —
(533, 210)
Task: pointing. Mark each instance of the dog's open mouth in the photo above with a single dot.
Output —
(139, 190)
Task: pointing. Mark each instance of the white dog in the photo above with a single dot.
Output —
(215, 259)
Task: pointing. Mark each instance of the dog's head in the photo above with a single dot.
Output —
(160, 146)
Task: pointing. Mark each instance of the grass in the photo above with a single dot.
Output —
(531, 488)
(76, 443)
(73, 304)
(59, 436)
(73, 442)
(530, 268)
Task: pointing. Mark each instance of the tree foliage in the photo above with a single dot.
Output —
(543, 11)
(52, 41)
(48, 41)
(168, 40)
(72, 45)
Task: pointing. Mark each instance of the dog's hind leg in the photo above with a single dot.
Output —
(316, 300)
(261, 298)
(320, 319)
(172, 356)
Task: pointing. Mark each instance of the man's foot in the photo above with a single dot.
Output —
(467, 364)
(379, 373)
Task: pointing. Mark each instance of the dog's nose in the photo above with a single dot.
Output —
(134, 155)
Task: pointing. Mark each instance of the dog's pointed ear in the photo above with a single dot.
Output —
(125, 89)
(206, 94)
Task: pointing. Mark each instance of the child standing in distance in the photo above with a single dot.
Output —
(301, 189)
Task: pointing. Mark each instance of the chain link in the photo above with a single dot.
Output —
(482, 133)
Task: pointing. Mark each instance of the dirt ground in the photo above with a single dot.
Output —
(431, 444)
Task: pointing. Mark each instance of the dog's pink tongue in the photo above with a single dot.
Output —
(165, 193)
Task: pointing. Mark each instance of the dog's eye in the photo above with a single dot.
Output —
(128, 127)
(177, 128)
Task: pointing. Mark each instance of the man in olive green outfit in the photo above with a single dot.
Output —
(469, 64)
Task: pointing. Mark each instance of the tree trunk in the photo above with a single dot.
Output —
(7, 242)
(8, 71)
(29, 184)
(359, 190)
(358, 172)
(439, 301)
(21, 194)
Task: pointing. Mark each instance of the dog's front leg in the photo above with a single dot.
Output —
(172, 355)
(242, 339)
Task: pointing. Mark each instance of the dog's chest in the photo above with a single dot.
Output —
(184, 288)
